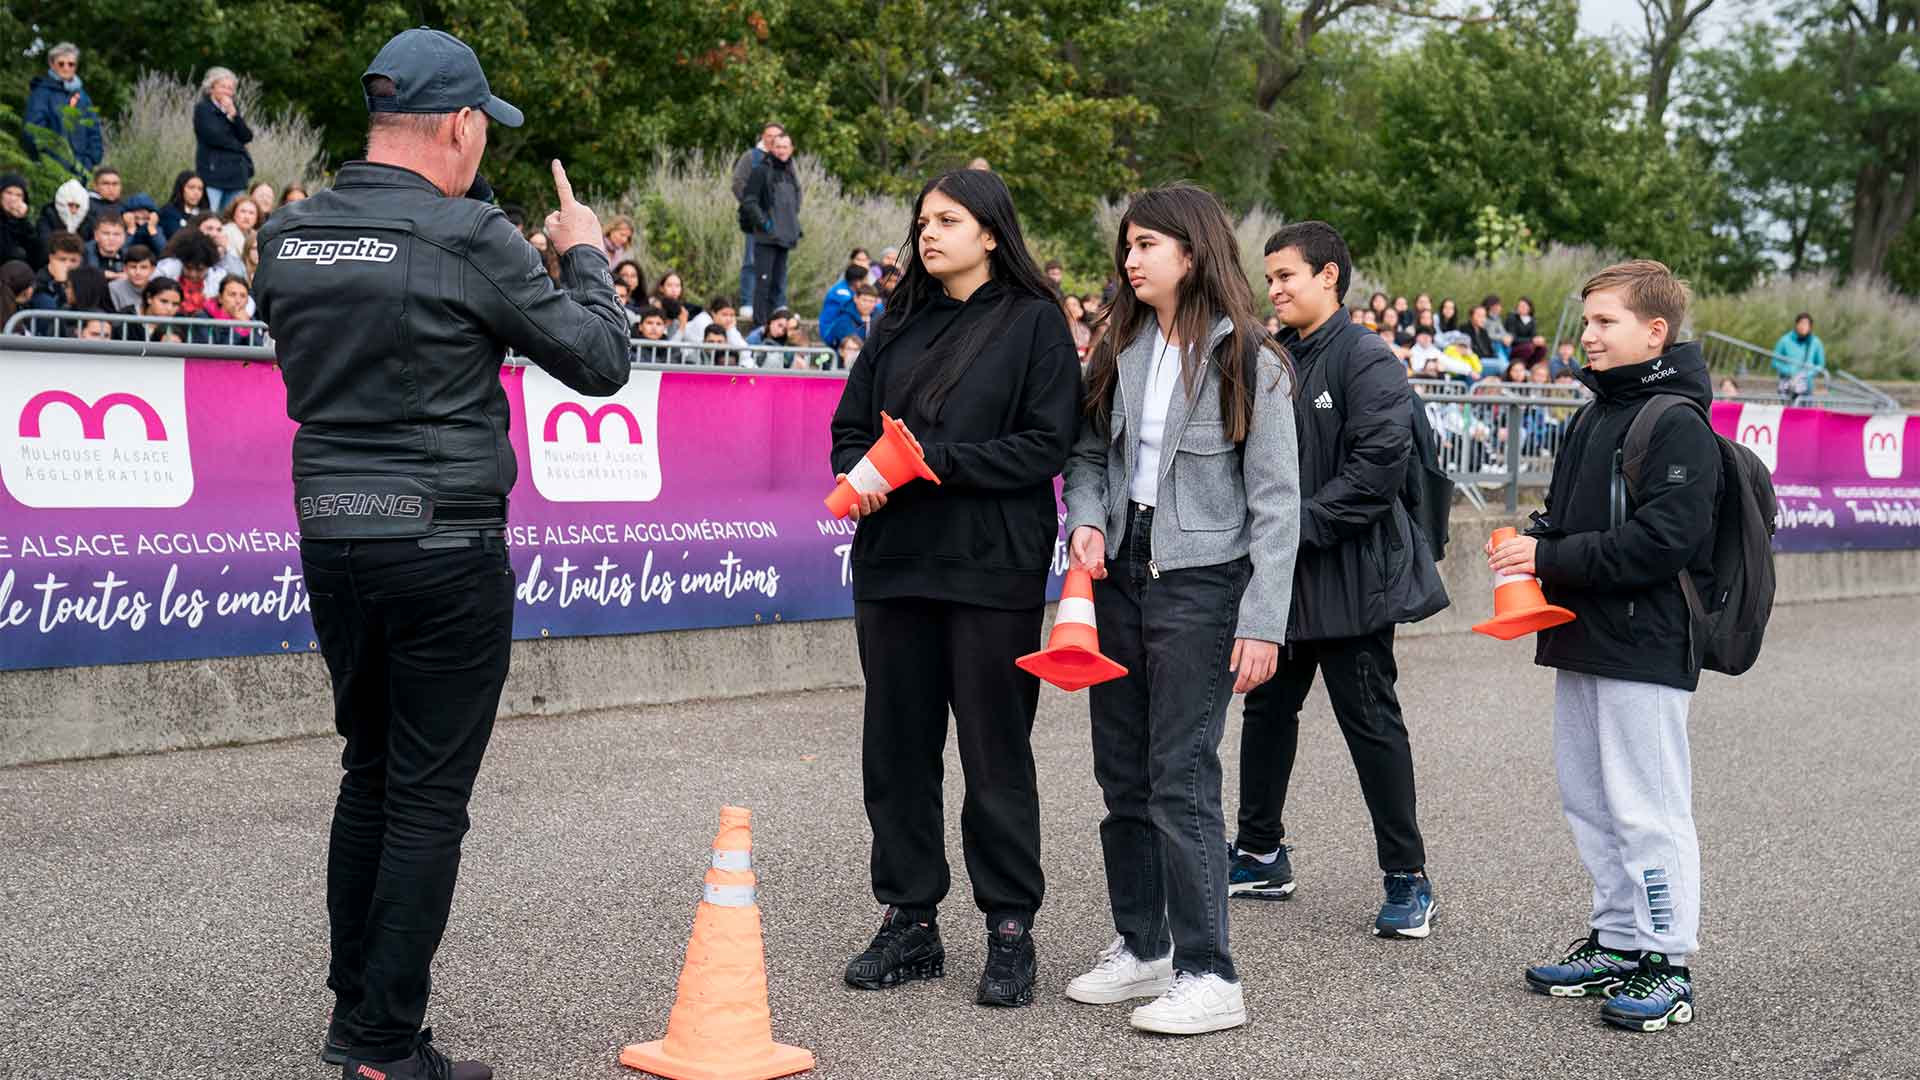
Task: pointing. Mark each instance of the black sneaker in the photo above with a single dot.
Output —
(903, 950)
(1011, 966)
(332, 1050)
(425, 1063)
(1255, 880)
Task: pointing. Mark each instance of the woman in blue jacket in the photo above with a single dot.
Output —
(1799, 358)
(222, 135)
(48, 98)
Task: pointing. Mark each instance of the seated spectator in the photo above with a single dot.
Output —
(233, 307)
(1055, 272)
(652, 327)
(1424, 320)
(840, 298)
(670, 297)
(188, 201)
(850, 347)
(1092, 303)
(1728, 388)
(1449, 318)
(1422, 306)
(1497, 325)
(221, 136)
(51, 291)
(77, 146)
(1423, 351)
(1390, 335)
(617, 239)
(715, 334)
(889, 277)
(721, 312)
(108, 248)
(141, 219)
(192, 260)
(106, 193)
(1562, 362)
(859, 321)
(1402, 313)
(1520, 324)
(889, 258)
(1360, 317)
(96, 330)
(1517, 372)
(159, 300)
(293, 194)
(1480, 335)
(126, 289)
(1538, 375)
(89, 290)
(262, 196)
(1076, 314)
(16, 288)
(1273, 325)
(1377, 309)
(859, 255)
(19, 239)
(777, 330)
(241, 220)
(71, 211)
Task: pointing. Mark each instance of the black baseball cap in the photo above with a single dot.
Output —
(435, 72)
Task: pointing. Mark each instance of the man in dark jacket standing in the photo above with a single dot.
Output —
(49, 97)
(773, 194)
(401, 470)
(1362, 568)
(221, 136)
(743, 167)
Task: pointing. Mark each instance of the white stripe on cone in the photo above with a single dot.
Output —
(724, 859)
(867, 480)
(729, 895)
(1511, 579)
(1075, 609)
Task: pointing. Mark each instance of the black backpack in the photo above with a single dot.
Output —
(1727, 626)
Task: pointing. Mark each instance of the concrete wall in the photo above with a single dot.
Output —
(60, 713)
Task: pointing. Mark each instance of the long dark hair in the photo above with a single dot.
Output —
(178, 200)
(985, 196)
(1215, 287)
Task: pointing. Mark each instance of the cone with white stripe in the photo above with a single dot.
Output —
(1072, 660)
(1519, 607)
(893, 461)
(720, 1028)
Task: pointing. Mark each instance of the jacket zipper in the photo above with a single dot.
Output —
(1166, 470)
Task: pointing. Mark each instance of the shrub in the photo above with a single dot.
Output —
(1869, 330)
(151, 140)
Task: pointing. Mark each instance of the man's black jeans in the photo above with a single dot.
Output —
(416, 639)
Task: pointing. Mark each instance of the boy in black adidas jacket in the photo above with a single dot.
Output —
(1626, 663)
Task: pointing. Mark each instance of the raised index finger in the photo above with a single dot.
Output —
(561, 184)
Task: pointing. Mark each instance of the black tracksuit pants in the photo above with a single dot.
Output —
(922, 657)
(1360, 674)
(416, 641)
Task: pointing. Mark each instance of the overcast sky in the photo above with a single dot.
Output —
(1620, 20)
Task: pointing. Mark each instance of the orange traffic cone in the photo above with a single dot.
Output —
(1519, 607)
(894, 460)
(1072, 660)
(720, 1028)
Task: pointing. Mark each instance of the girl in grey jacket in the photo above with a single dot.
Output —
(1182, 495)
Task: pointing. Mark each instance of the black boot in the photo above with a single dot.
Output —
(1011, 966)
(425, 1063)
(333, 1050)
(904, 949)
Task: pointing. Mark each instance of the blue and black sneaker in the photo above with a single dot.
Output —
(1408, 912)
(1654, 994)
(1256, 880)
(1589, 968)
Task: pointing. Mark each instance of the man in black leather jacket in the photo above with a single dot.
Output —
(392, 300)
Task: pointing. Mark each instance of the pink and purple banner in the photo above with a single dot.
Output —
(146, 508)
(1843, 480)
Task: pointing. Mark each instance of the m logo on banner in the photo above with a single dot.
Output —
(78, 431)
(1883, 441)
(1758, 429)
(586, 449)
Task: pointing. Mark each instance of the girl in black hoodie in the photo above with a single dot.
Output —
(949, 581)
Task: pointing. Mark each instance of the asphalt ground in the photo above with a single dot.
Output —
(163, 915)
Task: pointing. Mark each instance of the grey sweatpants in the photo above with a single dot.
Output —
(1626, 783)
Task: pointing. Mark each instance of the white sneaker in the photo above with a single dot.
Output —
(1120, 975)
(1193, 1005)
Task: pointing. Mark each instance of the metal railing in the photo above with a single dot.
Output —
(44, 331)
(1498, 436)
(1830, 388)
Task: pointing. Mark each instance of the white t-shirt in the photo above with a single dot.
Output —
(1163, 380)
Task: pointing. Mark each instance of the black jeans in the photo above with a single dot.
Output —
(1360, 675)
(770, 280)
(417, 643)
(1156, 750)
(921, 656)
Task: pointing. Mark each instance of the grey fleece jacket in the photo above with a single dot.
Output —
(1217, 500)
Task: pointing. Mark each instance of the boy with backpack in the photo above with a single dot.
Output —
(1628, 542)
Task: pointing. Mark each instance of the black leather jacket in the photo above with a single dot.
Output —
(391, 308)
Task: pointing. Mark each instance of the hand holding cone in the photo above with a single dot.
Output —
(895, 459)
(1519, 607)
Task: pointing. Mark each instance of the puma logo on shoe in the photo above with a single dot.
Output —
(370, 1073)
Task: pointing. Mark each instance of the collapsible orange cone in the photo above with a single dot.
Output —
(894, 460)
(720, 1028)
(1519, 607)
(1072, 660)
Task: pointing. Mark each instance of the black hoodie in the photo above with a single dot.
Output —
(18, 237)
(986, 534)
(1617, 567)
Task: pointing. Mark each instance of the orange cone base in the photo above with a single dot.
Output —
(778, 1059)
(1516, 624)
(1070, 667)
